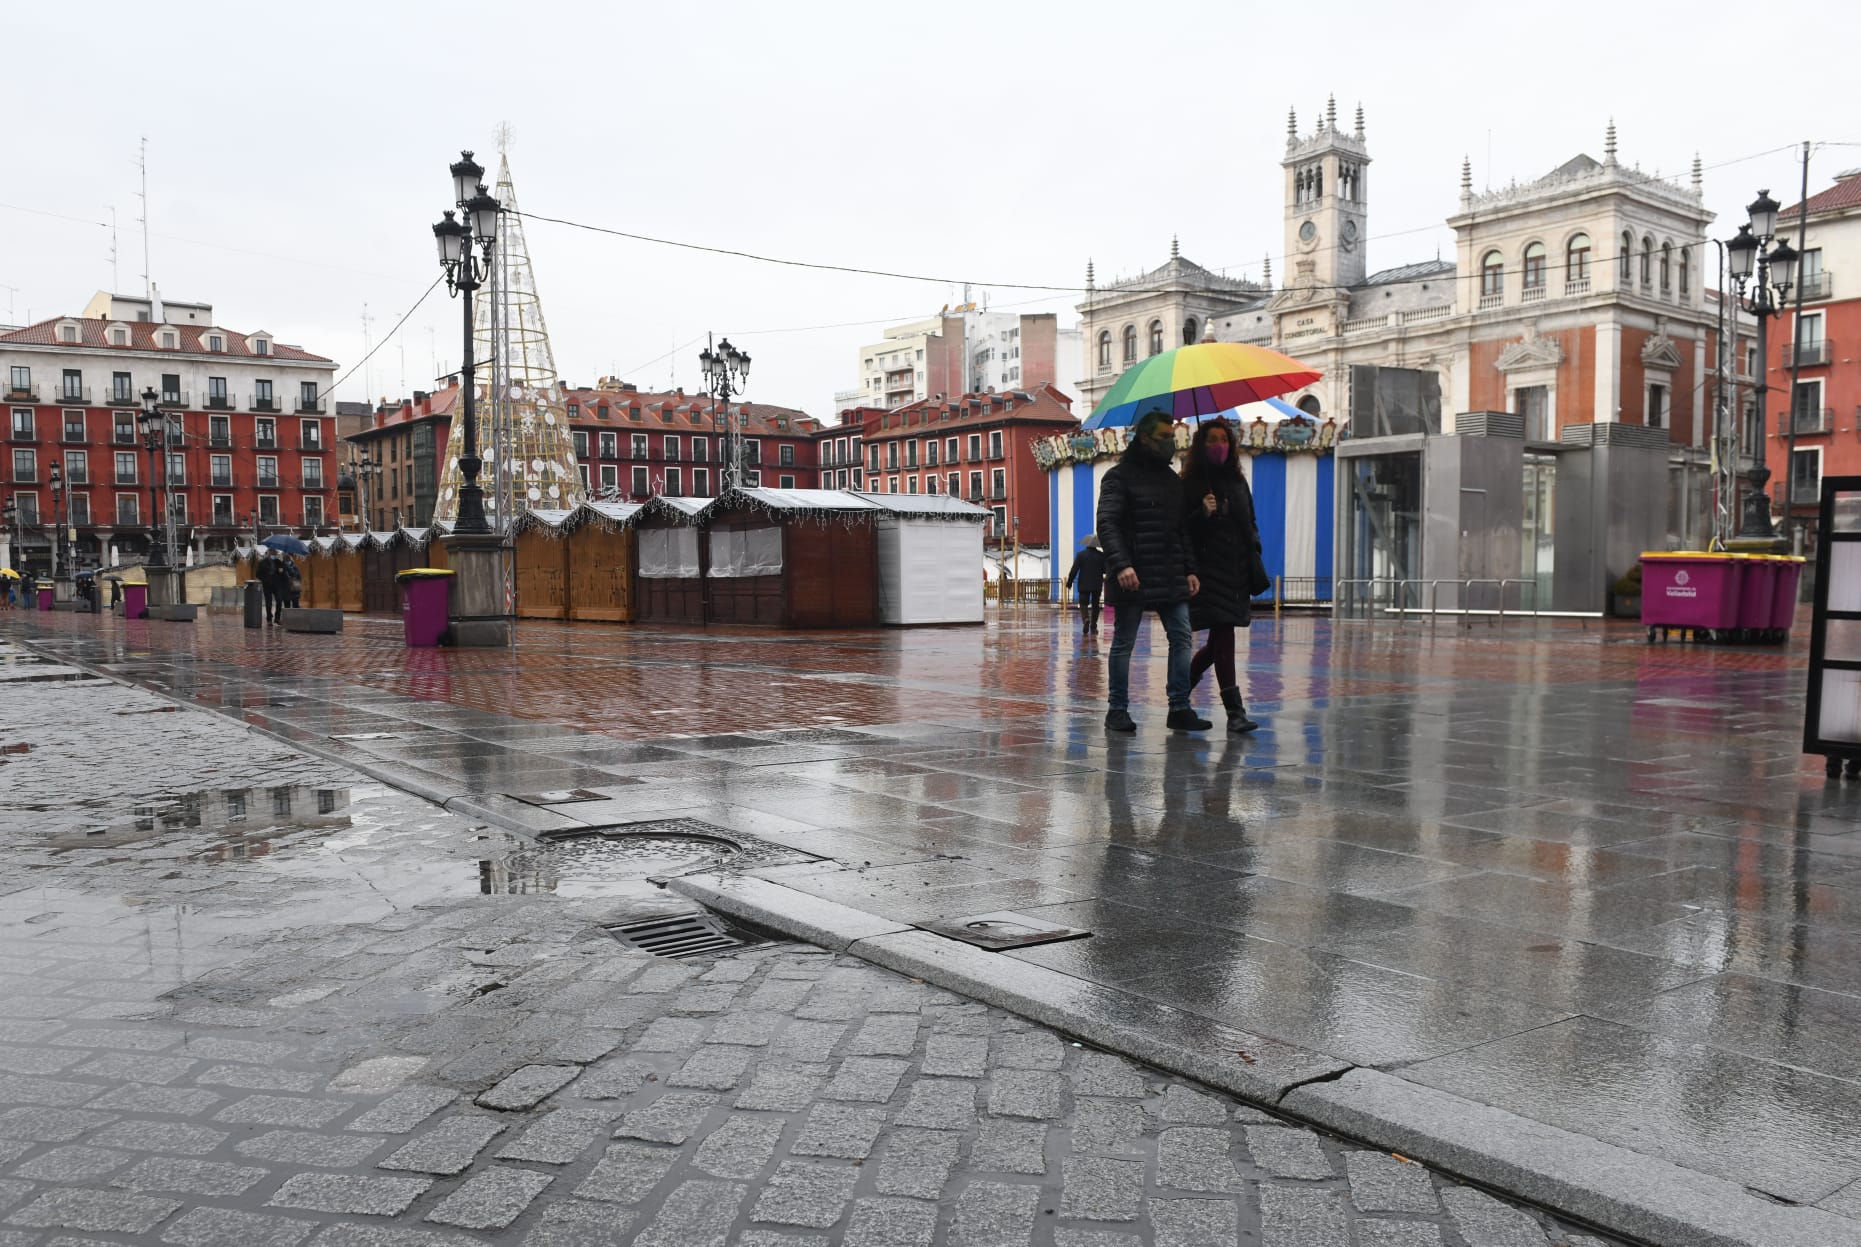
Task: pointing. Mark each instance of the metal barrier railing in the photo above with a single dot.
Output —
(1364, 591)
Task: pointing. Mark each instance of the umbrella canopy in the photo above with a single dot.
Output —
(285, 543)
(1275, 407)
(9, 573)
(1202, 379)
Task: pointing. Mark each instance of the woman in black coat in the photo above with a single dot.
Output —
(1226, 541)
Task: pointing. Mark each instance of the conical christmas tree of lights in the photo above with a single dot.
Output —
(524, 435)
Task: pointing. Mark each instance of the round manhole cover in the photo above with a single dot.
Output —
(602, 865)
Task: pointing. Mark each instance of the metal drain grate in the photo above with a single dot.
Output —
(681, 935)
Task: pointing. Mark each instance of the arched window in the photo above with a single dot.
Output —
(1492, 275)
(1310, 406)
(1667, 267)
(1577, 258)
(1686, 272)
(1130, 344)
(1647, 259)
(1156, 337)
(1534, 266)
(1105, 349)
(1190, 337)
(1628, 257)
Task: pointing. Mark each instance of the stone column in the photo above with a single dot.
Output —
(478, 611)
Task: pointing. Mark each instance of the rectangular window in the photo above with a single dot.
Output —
(700, 449)
(122, 390)
(125, 427)
(215, 342)
(222, 510)
(261, 347)
(638, 447)
(177, 469)
(641, 486)
(581, 444)
(268, 472)
(313, 511)
(74, 426)
(785, 482)
(610, 477)
(311, 434)
(701, 482)
(313, 473)
(125, 467)
(78, 510)
(752, 450)
(71, 389)
(674, 489)
(127, 513)
(583, 469)
(220, 430)
(25, 465)
(77, 467)
(261, 396)
(216, 394)
(21, 382)
(953, 485)
(672, 448)
(28, 508)
(975, 486)
(975, 447)
(1806, 412)
(891, 456)
(221, 467)
(930, 453)
(911, 484)
(998, 485)
(1806, 475)
(171, 388)
(753, 479)
(1533, 403)
(267, 431)
(268, 509)
(575, 411)
(25, 428)
(1657, 407)
(874, 453)
(610, 446)
(911, 453)
(995, 443)
(177, 506)
(307, 396)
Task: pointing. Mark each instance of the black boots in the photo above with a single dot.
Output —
(1187, 720)
(1238, 722)
(1119, 721)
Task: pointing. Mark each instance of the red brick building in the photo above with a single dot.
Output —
(978, 446)
(390, 467)
(1825, 406)
(634, 443)
(251, 448)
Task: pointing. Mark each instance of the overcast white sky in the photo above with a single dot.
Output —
(297, 154)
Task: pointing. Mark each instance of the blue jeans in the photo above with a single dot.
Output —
(1126, 618)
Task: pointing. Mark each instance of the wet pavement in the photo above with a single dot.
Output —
(255, 998)
(1580, 880)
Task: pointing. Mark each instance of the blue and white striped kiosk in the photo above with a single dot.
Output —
(1288, 463)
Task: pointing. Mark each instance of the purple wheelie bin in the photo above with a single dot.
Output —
(426, 599)
(1689, 590)
(1756, 595)
(135, 600)
(1783, 602)
(45, 595)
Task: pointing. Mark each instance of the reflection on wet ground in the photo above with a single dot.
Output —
(1581, 878)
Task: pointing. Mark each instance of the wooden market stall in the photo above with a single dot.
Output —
(792, 558)
(319, 577)
(542, 565)
(600, 540)
(380, 595)
(667, 550)
(346, 562)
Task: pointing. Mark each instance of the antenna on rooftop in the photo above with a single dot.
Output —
(115, 283)
(368, 371)
(148, 282)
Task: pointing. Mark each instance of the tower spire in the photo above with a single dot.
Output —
(1331, 113)
(1292, 126)
(1466, 177)
(1360, 121)
(1175, 250)
(1699, 175)
(1266, 270)
(1609, 143)
(1090, 283)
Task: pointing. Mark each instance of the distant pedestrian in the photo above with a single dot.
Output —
(1088, 570)
(293, 585)
(1143, 527)
(1226, 540)
(267, 573)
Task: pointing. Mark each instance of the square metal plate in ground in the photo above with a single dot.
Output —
(1002, 930)
(561, 796)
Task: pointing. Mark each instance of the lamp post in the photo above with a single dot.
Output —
(10, 513)
(150, 420)
(726, 372)
(363, 470)
(56, 479)
(464, 274)
(1763, 269)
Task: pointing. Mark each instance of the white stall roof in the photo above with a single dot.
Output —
(799, 499)
(547, 518)
(689, 509)
(615, 512)
(929, 506)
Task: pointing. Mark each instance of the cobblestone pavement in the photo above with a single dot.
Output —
(255, 999)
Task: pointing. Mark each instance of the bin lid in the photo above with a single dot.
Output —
(423, 573)
(1687, 554)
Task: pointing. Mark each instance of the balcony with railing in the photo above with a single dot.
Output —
(1817, 286)
(1576, 286)
(1496, 299)
(175, 398)
(1808, 354)
(267, 480)
(73, 395)
(1532, 294)
(1809, 420)
(219, 402)
(221, 480)
(75, 431)
(123, 398)
(266, 441)
(311, 442)
(26, 392)
(220, 440)
(263, 402)
(307, 406)
(1805, 491)
(77, 474)
(125, 478)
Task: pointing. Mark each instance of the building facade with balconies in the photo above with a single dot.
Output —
(632, 444)
(976, 446)
(250, 445)
(1823, 403)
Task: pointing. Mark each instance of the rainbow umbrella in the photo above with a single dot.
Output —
(1199, 380)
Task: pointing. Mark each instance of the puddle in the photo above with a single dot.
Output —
(617, 861)
(248, 820)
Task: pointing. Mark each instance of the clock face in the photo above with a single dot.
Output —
(1307, 232)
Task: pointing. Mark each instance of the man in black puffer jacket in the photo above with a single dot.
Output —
(1147, 553)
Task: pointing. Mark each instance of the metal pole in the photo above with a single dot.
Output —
(471, 497)
(1791, 531)
(151, 440)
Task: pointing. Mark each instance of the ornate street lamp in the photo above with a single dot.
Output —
(726, 372)
(1763, 280)
(464, 274)
(151, 420)
(55, 477)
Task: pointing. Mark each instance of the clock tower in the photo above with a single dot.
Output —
(1327, 205)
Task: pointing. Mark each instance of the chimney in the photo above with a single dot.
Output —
(155, 305)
